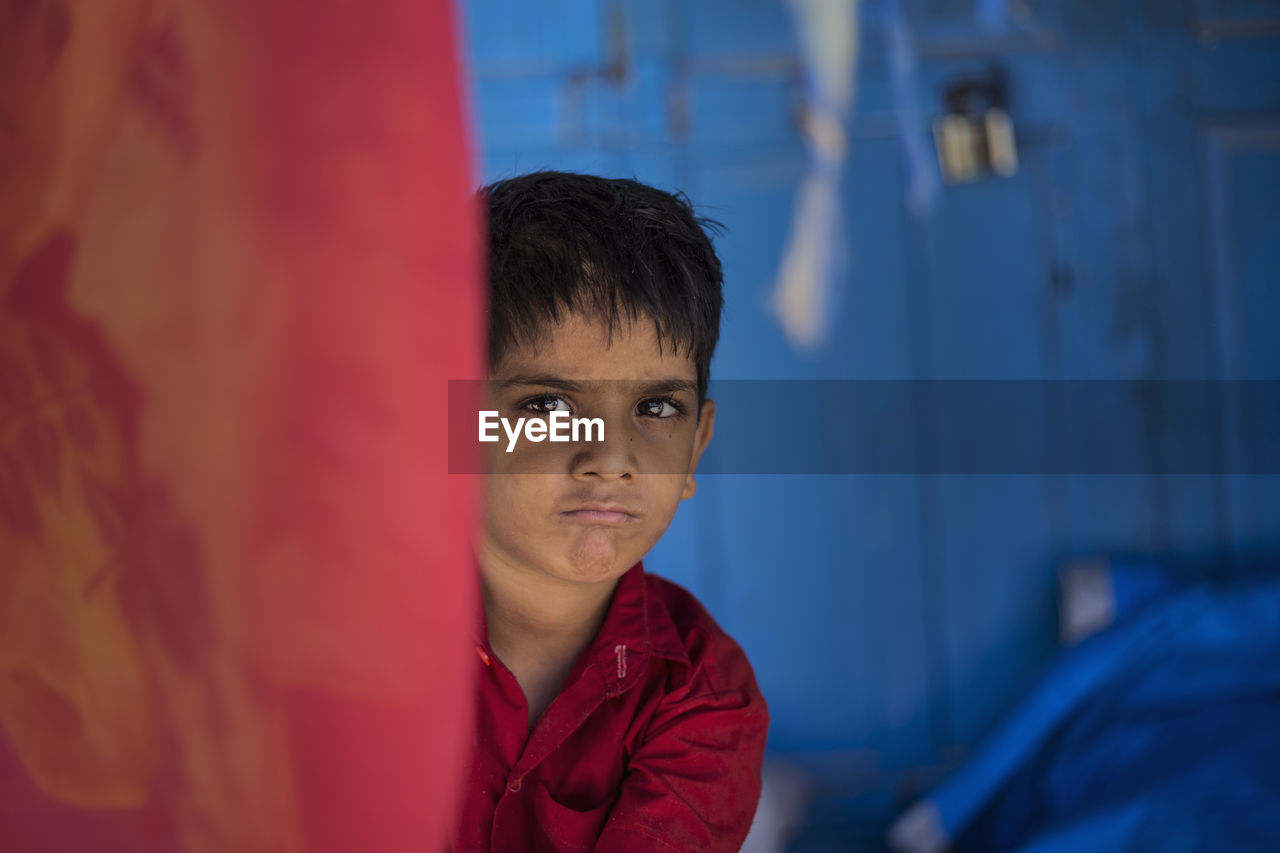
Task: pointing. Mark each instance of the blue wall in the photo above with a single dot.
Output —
(892, 618)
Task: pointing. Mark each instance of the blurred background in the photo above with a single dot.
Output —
(937, 190)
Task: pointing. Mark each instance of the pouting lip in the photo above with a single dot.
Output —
(604, 511)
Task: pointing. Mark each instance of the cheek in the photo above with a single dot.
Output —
(668, 451)
(528, 458)
(511, 500)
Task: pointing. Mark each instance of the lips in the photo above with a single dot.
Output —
(601, 512)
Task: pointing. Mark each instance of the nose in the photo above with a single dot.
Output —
(611, 458)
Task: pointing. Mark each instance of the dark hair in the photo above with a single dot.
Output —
(614, 249)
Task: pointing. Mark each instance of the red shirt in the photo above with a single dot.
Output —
(655, 742)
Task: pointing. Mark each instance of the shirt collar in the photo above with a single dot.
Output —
(635, 619)
(637, 624)
(640, 621)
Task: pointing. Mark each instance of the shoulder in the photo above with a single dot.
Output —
(682, 630)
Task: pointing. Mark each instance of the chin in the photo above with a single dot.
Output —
(595, 557)
(594, 572)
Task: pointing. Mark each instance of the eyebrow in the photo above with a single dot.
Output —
(545, 381)
(668, 386)
(651, 387)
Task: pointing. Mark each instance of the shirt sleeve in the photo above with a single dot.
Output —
(694, 783)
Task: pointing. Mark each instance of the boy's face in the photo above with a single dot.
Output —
(587, 511)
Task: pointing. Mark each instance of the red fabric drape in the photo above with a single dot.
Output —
(238, 264)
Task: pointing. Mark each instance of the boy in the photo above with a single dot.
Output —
(613, 714)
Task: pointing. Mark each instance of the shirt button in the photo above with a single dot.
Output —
(515, 784)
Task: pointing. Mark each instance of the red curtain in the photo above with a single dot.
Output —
(239, 262)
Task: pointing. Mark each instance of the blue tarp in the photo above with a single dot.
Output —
(1161, 733)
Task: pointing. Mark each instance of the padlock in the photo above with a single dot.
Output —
(974, 136)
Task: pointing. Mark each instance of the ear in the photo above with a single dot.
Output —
(701, 438)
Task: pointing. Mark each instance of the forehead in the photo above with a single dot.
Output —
(580, 347)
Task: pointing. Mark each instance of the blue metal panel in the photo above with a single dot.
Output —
(1242, 180)
(720, 31)
(821, 576)
(986, 292)
(651, 29)
(549, 36)
(520, 112)
(1243, 176)
(1226, 18)
(750, 191)
(1188, 87)
(499, 163)
(752, 106)
(649, 103)
(873, 339)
